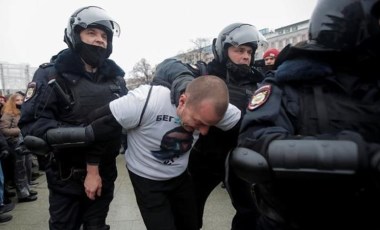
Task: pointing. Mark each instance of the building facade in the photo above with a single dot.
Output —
(290, 34)
(15, 77)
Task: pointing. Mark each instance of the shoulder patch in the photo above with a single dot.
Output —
(260, 96)
(30, 91)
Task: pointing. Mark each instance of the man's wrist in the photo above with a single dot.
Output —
(92, 169)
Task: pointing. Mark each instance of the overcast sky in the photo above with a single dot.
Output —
(32, 30)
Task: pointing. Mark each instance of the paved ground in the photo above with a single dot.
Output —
(123, 214)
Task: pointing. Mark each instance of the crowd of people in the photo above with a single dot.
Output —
(19, 167)
(296, 144)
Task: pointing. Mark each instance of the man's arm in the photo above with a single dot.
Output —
(103, 128)
(39, 107)
(268, 136)
(175, 75)
(103, 125)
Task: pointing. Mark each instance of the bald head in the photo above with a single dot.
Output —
(208, 88)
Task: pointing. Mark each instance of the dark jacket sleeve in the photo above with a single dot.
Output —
(39, 107)
(271, 129)
(104, 125)
(106, 130)
(175, 75)
(266, 122)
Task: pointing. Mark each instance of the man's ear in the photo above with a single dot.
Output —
(182, 100)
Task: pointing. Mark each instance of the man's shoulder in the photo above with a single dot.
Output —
(46, 65)
(198, 69)
(45, 72)
(146, 90)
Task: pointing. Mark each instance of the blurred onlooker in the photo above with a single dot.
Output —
(35, 162)
(4, 207)
(270, 58)
(21, 159)
(3, 100)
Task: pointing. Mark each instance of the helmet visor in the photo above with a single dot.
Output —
(97, 16)
(262, 44)
(242, 34)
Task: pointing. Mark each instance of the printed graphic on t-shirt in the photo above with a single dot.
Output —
(173, 144)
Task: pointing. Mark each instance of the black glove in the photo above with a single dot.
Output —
(104, 129)
(4, 154)
(98, 113)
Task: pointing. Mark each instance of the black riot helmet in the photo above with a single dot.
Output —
(343, 25)
(237, 34)
(86, 17)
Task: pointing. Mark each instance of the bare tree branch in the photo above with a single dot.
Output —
(142, 73)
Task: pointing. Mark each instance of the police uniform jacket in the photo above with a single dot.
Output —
(46, 108)
(308, 99)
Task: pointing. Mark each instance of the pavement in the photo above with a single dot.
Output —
(124, 213)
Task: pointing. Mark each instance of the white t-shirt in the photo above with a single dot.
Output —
(159, 148)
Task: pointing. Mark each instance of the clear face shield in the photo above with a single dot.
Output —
(247, 34)
(262, 46)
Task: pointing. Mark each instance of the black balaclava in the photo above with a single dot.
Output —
(93, 55)
(239, 70)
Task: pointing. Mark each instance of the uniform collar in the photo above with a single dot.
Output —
(69, 62)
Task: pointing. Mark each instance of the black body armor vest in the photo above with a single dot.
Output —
(328, 109)
(85, 96)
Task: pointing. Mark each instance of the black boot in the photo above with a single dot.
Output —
(5, 218)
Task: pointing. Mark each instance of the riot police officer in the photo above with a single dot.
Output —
(233, 50)
(62, 94)
(309, 141)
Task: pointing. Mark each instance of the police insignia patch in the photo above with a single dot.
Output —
(30, 91)
(260, 96)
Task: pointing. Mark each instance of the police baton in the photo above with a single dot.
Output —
(58, 89)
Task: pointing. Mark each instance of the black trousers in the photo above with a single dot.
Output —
(166, 205)
(69, 207)
(208, 171)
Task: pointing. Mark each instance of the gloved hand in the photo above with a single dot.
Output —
(98, 113)
(104, 129)
(4, 154)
